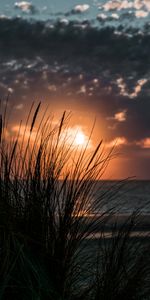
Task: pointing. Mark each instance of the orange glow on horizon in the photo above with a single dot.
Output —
(76, 135)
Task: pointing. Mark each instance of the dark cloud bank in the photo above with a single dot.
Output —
(78, 37)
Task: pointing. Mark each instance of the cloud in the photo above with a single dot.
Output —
(120, 116)
(147, 4)
(141, 14)
(117, 5)
(64, 21)
(24, 6)
(81, 8)
(115, 16)
(4, 17)
(137, 145)
(52, 88)
(117, 142)
(10, 90)
(24, 132)
(145, 143)
(138, 4)
(125, 4)
(82, 90)
(136, 89)
(78, 9)
(19, 106)
(101, 17)
(122, 86)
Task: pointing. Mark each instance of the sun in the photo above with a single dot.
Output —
(80, 138)
(76, 137)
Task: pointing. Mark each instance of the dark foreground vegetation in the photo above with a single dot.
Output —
(46, 195)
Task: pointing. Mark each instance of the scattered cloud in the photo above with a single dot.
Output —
(78, 9)
(64, 21)
(19, 106)
(101, 16)
(23, 131)
(24, 6)
(82, 90)
(122, 86)
(136, 90)
(115, 16)
(4, 17)
(141, 14)
(117, 5)
(145, 143)
(117, 142)
(147, 4)
(52, 87)
(122, 141)
(10, 90)
(81, 8)
(120, 116)
(125, 4)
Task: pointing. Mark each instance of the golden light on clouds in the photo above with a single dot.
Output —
(121, 116)
(145, 143)
(80, 131)
(74, 136)
(118, 141)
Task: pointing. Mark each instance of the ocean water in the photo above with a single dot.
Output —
(128, 197)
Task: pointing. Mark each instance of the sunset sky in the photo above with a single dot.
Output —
(90, 58)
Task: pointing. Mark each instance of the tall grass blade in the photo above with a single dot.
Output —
(1, 127)
(35, 116)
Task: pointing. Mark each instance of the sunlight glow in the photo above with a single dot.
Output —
(80, 138)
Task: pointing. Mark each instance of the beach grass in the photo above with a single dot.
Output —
(50, 209)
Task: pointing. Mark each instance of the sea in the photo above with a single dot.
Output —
(122, 201)
(126, 197)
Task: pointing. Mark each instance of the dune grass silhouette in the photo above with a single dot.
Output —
(47, 213)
